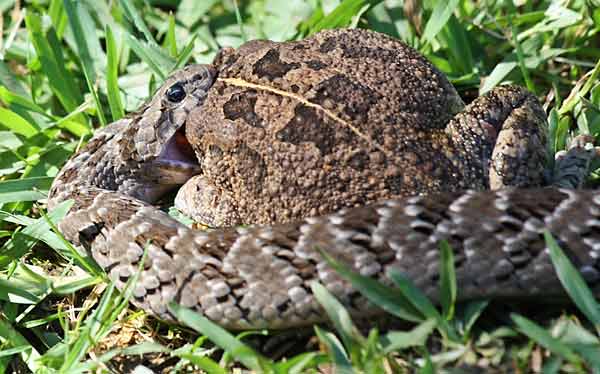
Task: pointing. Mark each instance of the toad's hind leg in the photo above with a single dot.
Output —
(503, 137)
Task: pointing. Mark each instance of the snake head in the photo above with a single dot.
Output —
(146, 154)
(165, 157)
(158, 134)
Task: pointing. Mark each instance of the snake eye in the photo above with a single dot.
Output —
(176, 93)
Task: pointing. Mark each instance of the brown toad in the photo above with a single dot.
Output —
(345, 118)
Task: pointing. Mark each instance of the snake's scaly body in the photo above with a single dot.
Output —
(259, 277)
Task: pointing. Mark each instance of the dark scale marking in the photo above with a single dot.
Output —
(520, 259)
(361, 242)
(308, 126)
(151, 291)
(244, 310)
(183, 285)
(88, 234)
(284, 306)
(512, 226)
(503, 276)
(426, 231)
(354, 298)
(430, 216)
(236, 283)
(108, 269)
(241, 105)
(271, 66)
(386, 257)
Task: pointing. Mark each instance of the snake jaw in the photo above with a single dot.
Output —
(171, 168)
(176, 163)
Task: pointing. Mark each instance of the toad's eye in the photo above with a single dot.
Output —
(175, 93)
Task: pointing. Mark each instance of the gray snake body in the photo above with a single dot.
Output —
(259, 276)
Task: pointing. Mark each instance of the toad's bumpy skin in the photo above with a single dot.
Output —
(347, 118)
(352, 112)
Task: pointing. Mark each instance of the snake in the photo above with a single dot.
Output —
(261, 276)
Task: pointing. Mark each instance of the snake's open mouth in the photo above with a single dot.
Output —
(177, 162)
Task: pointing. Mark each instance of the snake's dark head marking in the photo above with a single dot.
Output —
(146, 154)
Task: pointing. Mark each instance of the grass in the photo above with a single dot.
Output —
(70, 67)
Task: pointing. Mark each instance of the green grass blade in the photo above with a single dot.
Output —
(573, 283)
(17, 293)
(112, 75)
(204, 363)
(90, 366)
(15, 350)
(543, 338)
(472, 311)
(521, 58)
(15, 339)
(9, 79)
(558, 129)
(12, 121)
(186, 53)
(397, 340)
(497, 75)
(456, 37)
(419, 300)
(439, 17)
(590, 352)
(134, 16)
(95, 327)
(387, 298)
(49, 52)
(17, 101)
(342, 15)
(86, 41)
(170, 41)
(57, 14)
(158, 61)
(100, 322)
(27, 189)
(70, 286)
(336, 351)
(447, 280)
(571, 101)
(421, 303)
(23, 240)
(189, 12)
(300, 363)
(339, 316)
(220, 337)
(76, 128)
